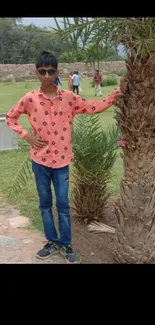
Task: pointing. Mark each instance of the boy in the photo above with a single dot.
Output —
(97, 82)
(50, 113)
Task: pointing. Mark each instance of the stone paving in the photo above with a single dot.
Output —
(19, 242)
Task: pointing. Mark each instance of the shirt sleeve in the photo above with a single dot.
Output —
(82, 105)
(13, 115)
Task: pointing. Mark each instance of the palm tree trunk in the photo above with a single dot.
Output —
(135, 210)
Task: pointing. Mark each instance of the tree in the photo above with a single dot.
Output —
(12, 20)
(66, 57)
(135, 115)
(21, 44)
(69, 56)
(84, 44)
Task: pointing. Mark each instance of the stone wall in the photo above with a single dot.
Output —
(21, 72)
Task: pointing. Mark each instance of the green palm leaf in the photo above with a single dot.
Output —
(95, 153)
(21, 179)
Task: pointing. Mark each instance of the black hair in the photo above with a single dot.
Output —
(45, 59)
(97, 70)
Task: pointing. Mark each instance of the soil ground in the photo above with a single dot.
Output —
(19, 242)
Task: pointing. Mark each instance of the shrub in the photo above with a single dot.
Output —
(95, 151)
(109, 81)
(119, 73)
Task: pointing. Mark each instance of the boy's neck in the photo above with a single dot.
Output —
(49, 89)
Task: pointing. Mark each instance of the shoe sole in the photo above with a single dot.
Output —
(76, 262)
(71, 262)
(44, 257)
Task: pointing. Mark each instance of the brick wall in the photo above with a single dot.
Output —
(27, 71)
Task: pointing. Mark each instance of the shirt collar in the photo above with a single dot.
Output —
(58, 91)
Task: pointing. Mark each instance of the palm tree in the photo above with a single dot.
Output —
(135, 115)
(95, 153)
(135, 210)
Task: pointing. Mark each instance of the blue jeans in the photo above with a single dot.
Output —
(60, 179)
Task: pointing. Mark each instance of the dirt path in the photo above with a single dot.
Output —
(18, 241)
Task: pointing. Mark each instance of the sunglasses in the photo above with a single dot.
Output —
(43, 72)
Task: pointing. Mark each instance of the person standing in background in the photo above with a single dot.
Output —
(97, 82)
(58, 82)
(76, 82)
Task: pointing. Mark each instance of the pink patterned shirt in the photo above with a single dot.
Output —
(52, 120)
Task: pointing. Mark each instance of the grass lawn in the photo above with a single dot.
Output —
(10, 161)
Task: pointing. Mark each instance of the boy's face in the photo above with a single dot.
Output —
(47, 75)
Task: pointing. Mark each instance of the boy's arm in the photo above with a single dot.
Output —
(81, 105)
(13, 116)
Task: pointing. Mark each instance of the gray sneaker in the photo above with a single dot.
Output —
(69, 255)
(49, 249)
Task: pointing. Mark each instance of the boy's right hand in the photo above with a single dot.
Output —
(35, 140)
(123, 83)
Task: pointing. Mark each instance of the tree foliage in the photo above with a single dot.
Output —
(95, 153)
(21, 44)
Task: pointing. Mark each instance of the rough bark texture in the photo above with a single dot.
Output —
(135, 210)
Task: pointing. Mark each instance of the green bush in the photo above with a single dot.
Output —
(110, 81)
(119, 73)
(115, 58)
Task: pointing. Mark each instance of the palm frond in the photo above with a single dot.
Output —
(21, 178)
(136, 34)
(95, 153)
(98, 227)
(93, 146)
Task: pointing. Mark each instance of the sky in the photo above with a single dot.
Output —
(39, 21)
